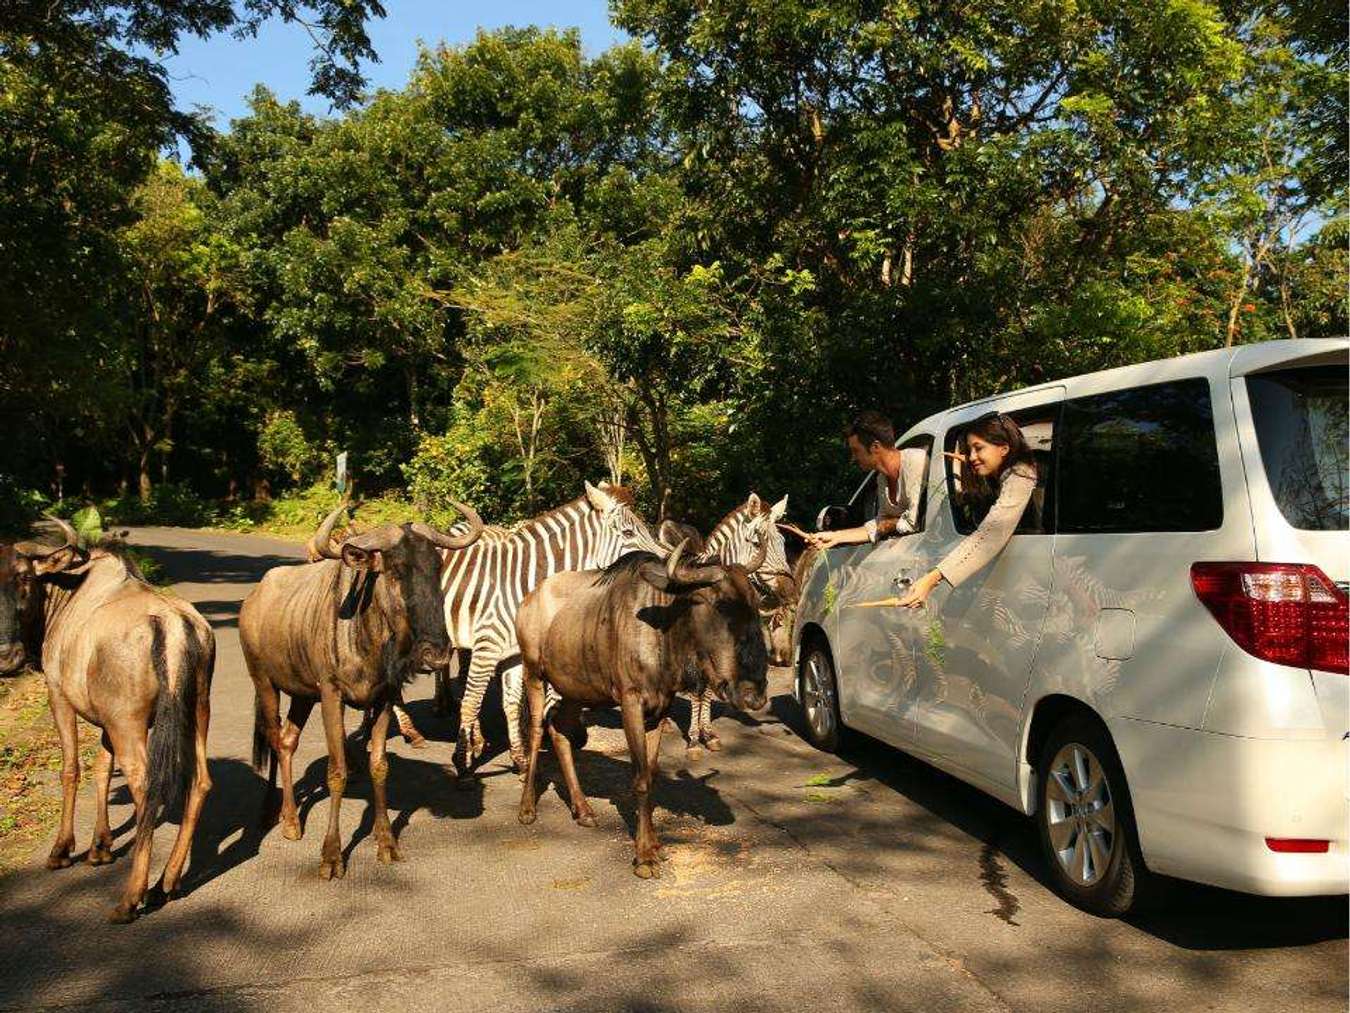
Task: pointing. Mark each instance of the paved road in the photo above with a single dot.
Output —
(889, 886)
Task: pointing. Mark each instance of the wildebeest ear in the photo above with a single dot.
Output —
(654, 573)
(598, 498)
(363, 559)
(777, 511)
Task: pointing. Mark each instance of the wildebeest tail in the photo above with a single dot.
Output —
(170, 760)
(262, 745)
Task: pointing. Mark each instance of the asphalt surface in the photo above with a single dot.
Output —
(869, 881)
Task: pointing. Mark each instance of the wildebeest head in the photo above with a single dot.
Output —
(21, 566)
(622, 529)
(724, 622)
(405, 558)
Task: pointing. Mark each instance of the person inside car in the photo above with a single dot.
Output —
(996, 453)
(871, 442)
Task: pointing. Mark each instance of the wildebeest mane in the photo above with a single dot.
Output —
(628, 563)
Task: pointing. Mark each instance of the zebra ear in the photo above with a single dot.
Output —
(777, 511)
(598, 498)
(753, 504)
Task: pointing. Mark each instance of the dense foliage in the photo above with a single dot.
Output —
(680, 264)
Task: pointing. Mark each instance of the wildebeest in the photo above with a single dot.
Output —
(735, 539)
(348, 629)
(130, 659)
(632, 635)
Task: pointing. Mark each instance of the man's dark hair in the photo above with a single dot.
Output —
(871, 427)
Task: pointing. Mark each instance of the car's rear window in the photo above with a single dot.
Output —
(1300, 417)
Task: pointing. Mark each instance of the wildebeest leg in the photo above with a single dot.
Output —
(63, 714)
(129, 749)
(512, 694)
(288, 739)
(562, 725)
(379, 773)
(647, 863)
(534, 699)
(654, 765)
(192, 809)
(100, 848)
(331, 864)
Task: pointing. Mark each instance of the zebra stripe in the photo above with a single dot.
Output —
(484, 584)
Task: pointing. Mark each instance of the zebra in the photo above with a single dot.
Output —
(484, 585)
(735, 539)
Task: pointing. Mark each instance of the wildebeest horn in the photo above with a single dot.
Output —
(323, 538)
(690, 576)
(441, 540)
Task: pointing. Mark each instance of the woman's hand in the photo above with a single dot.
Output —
(920, 590)
(955, 455)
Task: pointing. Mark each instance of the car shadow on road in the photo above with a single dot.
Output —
(1187, 915)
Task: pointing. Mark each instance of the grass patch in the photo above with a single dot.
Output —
(819, 781)
(30, 767)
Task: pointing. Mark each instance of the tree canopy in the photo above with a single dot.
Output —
(681, 263)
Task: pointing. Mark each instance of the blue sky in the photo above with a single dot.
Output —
(219, 72)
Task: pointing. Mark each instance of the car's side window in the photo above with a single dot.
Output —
(1142, 459)
(971, 496)
(915, 454)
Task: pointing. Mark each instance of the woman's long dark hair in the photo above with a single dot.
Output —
(1002, 431)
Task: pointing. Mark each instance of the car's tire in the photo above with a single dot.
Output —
(1086, 821)
(818, 691)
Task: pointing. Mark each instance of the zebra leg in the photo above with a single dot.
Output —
(470, 744)
(513, 691)
(413, 737)
(693, 749)
(706, 734)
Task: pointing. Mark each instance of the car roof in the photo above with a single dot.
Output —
(1238, 361)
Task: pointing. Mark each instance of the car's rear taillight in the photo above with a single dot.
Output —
(1288, 613)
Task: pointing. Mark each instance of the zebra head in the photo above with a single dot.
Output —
(739, 535)
(621, 529)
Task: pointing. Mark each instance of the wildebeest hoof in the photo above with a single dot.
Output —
(99, 854)
(155, 897)
(527, 816)
(291, 830)
(389, 853)
(650, 869)
(59, 860)
(122, 915)
(585, 819)
(332, 868)
(662, 853)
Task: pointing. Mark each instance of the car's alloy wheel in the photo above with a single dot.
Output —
(1086, 821)
(817, 690)
(1080, 814)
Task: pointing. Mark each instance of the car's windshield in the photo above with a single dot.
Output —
(1301, 430)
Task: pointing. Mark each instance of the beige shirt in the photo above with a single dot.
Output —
(979, 548)
(909, 484)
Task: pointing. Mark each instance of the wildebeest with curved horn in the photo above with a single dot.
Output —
(348, 629)
(131, 660)
(632, 635)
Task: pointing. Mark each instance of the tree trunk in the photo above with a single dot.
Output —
(144, 471)
(414, 419)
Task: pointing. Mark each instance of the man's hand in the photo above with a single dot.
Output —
(827, 539)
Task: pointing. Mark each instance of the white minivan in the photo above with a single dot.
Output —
(1156, 665)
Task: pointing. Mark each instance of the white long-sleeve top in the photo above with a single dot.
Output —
(979, 548)
(909, 485)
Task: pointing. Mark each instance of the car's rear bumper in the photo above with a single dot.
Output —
(1205, 804)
